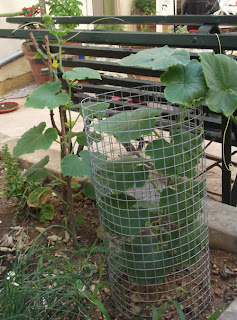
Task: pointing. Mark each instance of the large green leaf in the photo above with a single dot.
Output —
(37, 172)
(183, 202)
(95, 109)
(120, 216)
(144, 261)
(35, 139)
(89, 190)
(81, 74)
(165, 158)
(181, 155)
(185, 84)
(75, 166)
(189, 146)
(186, 246)
(122, 174)
(157, 58)
(127, 126)
(220, 73)
(47, 95)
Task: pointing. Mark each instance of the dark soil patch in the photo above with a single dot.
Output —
(223, 265)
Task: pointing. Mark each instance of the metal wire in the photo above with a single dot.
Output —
(149, 178)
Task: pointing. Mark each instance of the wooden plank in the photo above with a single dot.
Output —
(181, 40)
(110, 66)
(166, 20)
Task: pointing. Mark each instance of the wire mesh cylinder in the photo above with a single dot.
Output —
(149, 176)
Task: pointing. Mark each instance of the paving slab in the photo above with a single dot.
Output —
(222, 222)
(230, 313)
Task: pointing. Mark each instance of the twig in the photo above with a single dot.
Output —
(37, 47)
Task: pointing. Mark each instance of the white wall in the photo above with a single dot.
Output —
(8, 46)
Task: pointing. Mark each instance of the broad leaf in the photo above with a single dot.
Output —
(95, 109)
(181, 155)
(143, 261)
(47, 95)
(120, 217)
(46, 212)
(89, 190)
(157, 58)
(35, 139)
(220, 73)
(75, 166)
(37, 172)
(131, 125)
(81, 138)
(122, 174)
(183, 202)
(189, 146)
(185, 84)
(165, 158)
(81, 74)
(39, 196)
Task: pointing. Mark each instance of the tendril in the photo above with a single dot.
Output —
(230, 166)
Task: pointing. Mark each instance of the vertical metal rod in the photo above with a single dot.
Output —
(226, 152)
(234, 194)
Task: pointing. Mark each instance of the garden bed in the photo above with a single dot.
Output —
(223, 265)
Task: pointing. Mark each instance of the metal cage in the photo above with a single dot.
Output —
(148, 171)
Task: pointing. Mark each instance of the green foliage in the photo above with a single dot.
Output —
(124, 173)
(146, 6)
(81, 74)
(127, 126)
(185, 83)
(74, 166)
(35, 139)
(221, 77)
(41, 285)
(47, 95)
(120, 215)
(18, 187)
(37, 172)
(46, 212)
(156, 58)
(59, 8)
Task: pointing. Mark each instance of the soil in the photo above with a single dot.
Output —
(8, 106)
(223, 265)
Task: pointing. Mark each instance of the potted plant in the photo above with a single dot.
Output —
(8, 106)
(59, 8)
(150, 182)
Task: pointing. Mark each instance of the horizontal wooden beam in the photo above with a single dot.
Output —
(183, 40)
(166, 20)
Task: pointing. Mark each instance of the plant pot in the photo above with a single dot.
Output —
(36, 68)
(149, 177)
(8, 106)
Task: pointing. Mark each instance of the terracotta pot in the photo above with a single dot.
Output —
(8, 106)
(36, 68)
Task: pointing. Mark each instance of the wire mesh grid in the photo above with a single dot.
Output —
(148, 171)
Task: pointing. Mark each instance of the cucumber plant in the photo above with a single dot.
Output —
(142, 257)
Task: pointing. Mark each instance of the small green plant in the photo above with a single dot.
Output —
(51, 283)
(146, 6)
(17, 186)
(59, 8)
(51, 96)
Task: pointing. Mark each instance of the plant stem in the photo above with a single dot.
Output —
(52, 175)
